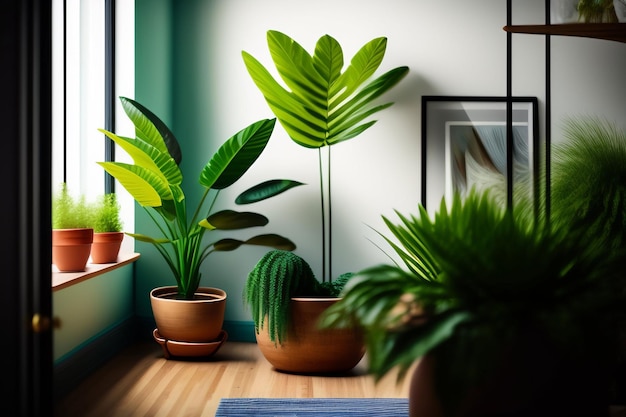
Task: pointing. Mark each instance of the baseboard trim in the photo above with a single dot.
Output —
(238, 331)
(71, 370)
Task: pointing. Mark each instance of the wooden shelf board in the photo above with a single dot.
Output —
(607, 31)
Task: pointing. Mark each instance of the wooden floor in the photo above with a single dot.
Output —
(140, 382)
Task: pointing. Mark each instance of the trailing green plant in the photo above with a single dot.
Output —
(106, 214)
(323, 105)
(69, 212)
(589, 181)
(470, 282)
(277, 277)
(596, 11)
(154, 180)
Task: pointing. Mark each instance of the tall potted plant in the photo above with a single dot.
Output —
(506, 313)
(154, 180)
(72, 232)
(107, 228)
(322, 105)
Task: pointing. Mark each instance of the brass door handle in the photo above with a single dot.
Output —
(41, 323)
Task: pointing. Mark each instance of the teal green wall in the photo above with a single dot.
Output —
(89, 309)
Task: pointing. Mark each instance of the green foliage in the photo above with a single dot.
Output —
(106, 214)
(589, 182)
(154, 180)
(323, 105)
(596, 11)
(69, 212)
(476, 275)
(277, 277)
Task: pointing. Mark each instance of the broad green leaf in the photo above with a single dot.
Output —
(304, 128)
(146, 187)
(147, 239)
(149, 157)
(233, 220)
(269, 240)
(362, 66)
(265, 190)
(152, 129)
(237, 155)
(295, 67)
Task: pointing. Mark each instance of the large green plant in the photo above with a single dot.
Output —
(323, 104)
(154, 180)
(469, 281)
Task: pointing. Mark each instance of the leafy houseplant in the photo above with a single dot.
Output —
(485, 295)
(321, 106)
(154, 180)
(72, 233)
(107, 226)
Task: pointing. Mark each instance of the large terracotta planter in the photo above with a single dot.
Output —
(193, 326)
(71, 248)
(526, 382)
(106, 247)
(308, 349)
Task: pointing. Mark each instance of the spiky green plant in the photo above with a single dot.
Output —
(589, 181)
(106, 214)
(469, 281)
(277, 277)
(324, 105)
(154, 180)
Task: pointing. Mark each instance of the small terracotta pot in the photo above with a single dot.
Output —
(71, 248)
(196, 321)
(106, 247)
(308, 349)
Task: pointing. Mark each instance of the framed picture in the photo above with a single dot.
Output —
(466, 143)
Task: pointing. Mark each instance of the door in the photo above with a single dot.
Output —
(25, 123)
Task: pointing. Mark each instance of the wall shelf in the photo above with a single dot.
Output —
(607, 31)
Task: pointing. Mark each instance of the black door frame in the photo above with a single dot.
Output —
(25, 170)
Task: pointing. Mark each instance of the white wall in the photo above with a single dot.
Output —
(453, 47)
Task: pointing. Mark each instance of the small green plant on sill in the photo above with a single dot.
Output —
(69, 212)
(106, 214)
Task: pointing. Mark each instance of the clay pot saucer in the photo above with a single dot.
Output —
(187, 349)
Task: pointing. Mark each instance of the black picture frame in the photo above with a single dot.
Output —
(467, 141)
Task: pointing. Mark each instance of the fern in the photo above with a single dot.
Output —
(277, 277)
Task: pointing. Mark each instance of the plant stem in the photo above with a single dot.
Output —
(327, 229)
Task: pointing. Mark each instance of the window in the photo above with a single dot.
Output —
(88, 37)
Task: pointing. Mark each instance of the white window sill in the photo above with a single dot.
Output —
(62, 280)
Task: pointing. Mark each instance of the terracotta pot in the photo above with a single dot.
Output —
(196, 321)
(71, 248)
(525, 382)
(106, 247)
(308, 349)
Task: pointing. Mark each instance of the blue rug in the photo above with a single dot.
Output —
(313, 407)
